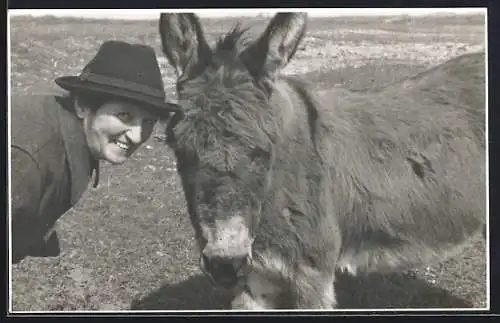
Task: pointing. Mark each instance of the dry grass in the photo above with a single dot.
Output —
(129, 245)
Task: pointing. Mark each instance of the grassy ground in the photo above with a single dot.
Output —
(128, 244)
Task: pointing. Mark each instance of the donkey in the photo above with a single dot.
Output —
(285, 185)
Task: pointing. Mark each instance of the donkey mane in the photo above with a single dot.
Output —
(235, 40)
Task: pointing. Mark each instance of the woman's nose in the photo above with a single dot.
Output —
(134, 133)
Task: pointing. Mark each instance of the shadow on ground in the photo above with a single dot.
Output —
(195, 293)
(393, 291)
(371, 291)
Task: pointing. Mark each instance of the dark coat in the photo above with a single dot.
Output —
(50, 169)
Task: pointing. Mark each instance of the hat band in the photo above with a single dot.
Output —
(131, 86)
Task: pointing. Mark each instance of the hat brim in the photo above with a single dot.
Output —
(155, 104)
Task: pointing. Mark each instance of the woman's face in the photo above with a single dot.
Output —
(116, 129)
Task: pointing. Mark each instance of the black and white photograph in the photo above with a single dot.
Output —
(242, 160)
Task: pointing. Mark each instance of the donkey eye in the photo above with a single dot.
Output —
(181, 85)
(149, 122)
(208, 195)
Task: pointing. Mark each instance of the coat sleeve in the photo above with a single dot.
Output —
(25, 201)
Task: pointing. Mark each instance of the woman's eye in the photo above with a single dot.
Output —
(124, 116)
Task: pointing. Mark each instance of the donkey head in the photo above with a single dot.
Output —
(228, 129)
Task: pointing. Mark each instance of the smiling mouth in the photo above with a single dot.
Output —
(122, 145)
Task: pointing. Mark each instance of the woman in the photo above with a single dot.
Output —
(57, 142)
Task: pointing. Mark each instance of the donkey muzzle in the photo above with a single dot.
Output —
(226, 271)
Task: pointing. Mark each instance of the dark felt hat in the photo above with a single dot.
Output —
(123, 70)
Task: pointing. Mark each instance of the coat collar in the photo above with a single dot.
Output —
(81, 163)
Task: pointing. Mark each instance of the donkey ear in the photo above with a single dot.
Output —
(183, 41)
(277, 44)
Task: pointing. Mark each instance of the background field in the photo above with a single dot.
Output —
(128, 244)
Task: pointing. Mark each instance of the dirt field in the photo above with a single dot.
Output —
(128, 244)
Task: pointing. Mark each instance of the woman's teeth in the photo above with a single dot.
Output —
(122, 145)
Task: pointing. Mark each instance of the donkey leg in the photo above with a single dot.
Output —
(260, 293)
(329, 298)
(245, 301)
(314, 289)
